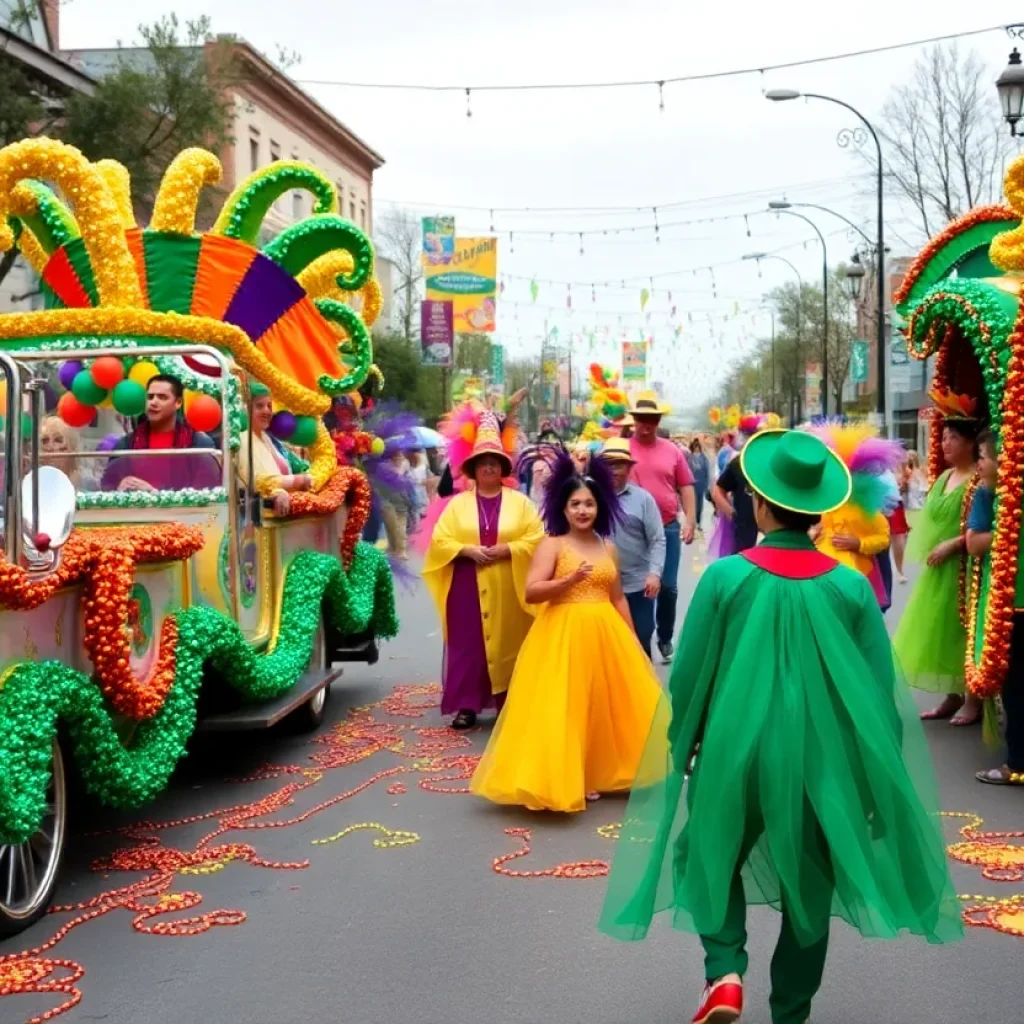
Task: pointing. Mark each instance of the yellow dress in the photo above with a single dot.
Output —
(580, 704)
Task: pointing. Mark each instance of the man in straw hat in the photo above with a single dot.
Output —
(639, 539)
(811, 787)
(661, 469)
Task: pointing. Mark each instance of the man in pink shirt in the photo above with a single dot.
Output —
(662, 470)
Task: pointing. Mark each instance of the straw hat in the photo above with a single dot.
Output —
(616, 449)
(646, 403)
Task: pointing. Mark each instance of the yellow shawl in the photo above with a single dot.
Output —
(502, 586)
(265, 467)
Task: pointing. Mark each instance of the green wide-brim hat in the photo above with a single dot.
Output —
(796, 471)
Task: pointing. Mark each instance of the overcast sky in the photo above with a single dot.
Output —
(718, 147)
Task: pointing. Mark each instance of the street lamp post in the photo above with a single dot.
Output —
(1010, 86)
(758, 256)
(780, 95)
(782, 204)
(824, 302)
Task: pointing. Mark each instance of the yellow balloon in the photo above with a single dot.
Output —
(108, 402)
(3, 397)
(190, 396)
(143, 371)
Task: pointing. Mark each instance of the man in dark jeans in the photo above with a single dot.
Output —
(639, 539)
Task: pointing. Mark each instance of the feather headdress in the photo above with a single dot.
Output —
(460, 428)
(871, 460)
(953, 406)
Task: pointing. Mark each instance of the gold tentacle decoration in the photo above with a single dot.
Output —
(1006, 250)
(95, 209)
(23, 205)
(178, 199)
(119, 181)
(323, 458)
(320, 281)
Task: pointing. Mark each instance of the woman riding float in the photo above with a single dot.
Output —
(476, 568)
(271, 470)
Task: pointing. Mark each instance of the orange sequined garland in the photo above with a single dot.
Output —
(348, 486)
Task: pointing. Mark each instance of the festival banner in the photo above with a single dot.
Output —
(812, 389)
(859, 362)
(438, 241)
(469, 282)
(437, 333)
(498, 365)
(634, 361)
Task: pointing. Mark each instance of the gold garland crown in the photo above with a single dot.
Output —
(280, 311)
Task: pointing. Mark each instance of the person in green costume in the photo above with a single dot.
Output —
(811, 789)
(930, 641)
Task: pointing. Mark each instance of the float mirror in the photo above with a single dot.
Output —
(56, 510)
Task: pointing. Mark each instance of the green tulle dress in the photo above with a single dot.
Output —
(789, 686)
(930, 641)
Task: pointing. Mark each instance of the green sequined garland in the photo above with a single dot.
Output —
(36, 695)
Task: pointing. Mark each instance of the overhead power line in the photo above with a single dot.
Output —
(659, 83)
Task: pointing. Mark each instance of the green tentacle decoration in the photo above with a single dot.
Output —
(246, 208)
(966, 252)
(299, 245)
(35, 696)
(358, 349)
(52, 223)
(983, 314)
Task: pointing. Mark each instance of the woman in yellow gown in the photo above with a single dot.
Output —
(583, 693)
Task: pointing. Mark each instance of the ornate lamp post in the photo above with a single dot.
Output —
(1010, 86)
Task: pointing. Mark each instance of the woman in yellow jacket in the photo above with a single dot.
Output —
(475, 569)
(854, 538)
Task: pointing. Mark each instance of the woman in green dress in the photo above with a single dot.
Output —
(812, 789)
(931, 642)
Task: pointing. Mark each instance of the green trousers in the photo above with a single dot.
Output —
(796, 969)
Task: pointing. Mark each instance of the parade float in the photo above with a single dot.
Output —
(131, 618)
(961, 301)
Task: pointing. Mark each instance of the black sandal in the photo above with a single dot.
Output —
(464, 720)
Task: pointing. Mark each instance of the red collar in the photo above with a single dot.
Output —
(791, 564)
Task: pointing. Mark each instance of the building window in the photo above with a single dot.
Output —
(254, 153)
(352, 211)
(362, 215)
(275, 152)
(341, 196)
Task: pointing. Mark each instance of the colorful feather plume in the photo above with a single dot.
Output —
(953, 406)
(871, 460)
(715, 416)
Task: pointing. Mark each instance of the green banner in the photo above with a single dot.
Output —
(859, 362)
(498, 365)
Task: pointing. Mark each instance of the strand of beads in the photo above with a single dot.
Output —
(567, 869)
(389, 837)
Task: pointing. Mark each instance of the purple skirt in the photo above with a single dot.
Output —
(723, 539)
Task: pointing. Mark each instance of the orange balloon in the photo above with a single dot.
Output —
(73, 412)
(203, 413)
(107, 371)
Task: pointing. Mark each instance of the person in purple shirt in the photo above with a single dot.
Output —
(162, 428)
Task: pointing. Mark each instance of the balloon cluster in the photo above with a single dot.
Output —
(108, 382)
(299, 431)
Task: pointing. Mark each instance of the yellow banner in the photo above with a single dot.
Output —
(469, 282)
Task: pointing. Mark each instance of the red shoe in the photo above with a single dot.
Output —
(720, 1003)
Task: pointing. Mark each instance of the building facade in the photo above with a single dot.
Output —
(274, 120)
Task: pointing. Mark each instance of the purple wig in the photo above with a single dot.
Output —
(566, 480)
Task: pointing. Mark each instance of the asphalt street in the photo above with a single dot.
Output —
(428, 932)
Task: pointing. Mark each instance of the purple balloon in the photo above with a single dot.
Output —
(49, 397)
(108, 443)
(68, 371)
(282, 426)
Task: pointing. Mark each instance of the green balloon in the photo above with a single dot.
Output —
(129, 398)
(86, 390)
(305, 432)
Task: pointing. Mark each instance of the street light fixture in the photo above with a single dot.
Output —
(1010, 86)
(854, 279)
(780, 95)
(782, 204)
(758, 256)
(824, 299)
